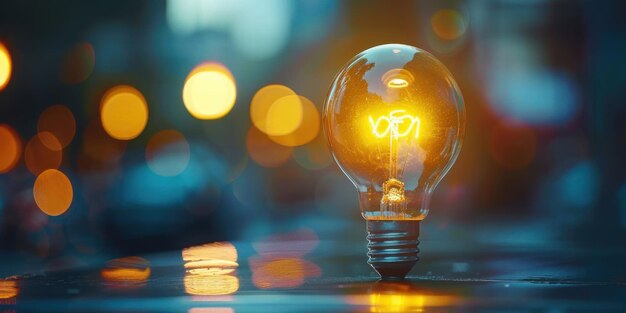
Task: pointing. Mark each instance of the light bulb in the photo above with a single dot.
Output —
(394, 118)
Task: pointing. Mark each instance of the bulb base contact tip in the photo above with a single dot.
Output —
(392, 247)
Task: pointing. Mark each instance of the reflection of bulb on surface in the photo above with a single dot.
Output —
(402, 297)
(395, 119)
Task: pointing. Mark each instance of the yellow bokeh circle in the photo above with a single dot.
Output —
(262, 102)
(209, 92)
(5, 66)
(123, 112)
(307, 129)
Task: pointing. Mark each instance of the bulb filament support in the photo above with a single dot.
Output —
(398, 124)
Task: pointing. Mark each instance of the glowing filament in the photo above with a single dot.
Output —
(397, 125)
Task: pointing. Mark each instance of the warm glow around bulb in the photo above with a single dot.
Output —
(394, 119)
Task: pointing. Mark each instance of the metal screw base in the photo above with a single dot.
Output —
(392, 247)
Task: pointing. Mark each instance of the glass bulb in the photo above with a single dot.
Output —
(395, 120)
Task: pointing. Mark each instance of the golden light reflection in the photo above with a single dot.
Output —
(397, 78)
(78, 63)
(400, 298)
(123, 112)
(217, 257)
(6, 66)
(449, 24)
(308, 128)
(263, 101)
(211, 269)
(53, 192)
(10, 148)
(398, 83)
(210, 285)
(8, 289)
(388, 303)
(210, 91)
(281, 273)
(129, 270)
(59, 121)
(280, 263)
(264, 151)
(38, 157)
(167, 153)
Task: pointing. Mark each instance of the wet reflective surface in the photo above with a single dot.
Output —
(298, 272)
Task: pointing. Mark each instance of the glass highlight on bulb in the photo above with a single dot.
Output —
(395, 120)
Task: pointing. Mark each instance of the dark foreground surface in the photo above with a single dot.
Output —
(297, 272)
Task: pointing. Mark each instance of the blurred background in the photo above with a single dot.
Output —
(109, 145)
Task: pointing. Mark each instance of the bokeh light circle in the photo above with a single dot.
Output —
(6, 66)
(38, 157)
(449, 24)
(59, 121)
(10, 148)
(210, 91)
(78, 63)
(307, 129)
(53, 192)
(264, 151)
(123, 112)
(167, 153)
(263, 100)
(284, 116)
